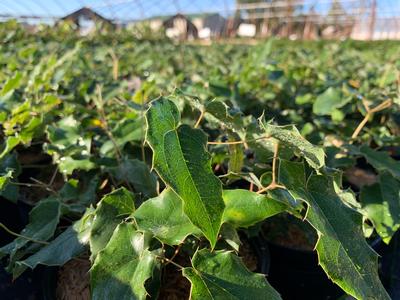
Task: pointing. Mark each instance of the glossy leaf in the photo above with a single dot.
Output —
(110, 211)
(342, 250)
(289, 136)
(381, 161)
(64, 247)
(122, 268)
(222, 275)
(43, 220)
(244, 208)
(182, 161)
(230, 235)
(217, 112)
(163, 216)
(381, 204)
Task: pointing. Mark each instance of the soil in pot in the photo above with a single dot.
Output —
(73, 282)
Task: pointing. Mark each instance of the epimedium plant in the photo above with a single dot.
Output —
(206, 147)
(128, 241)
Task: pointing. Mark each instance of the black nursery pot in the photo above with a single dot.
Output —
(38, 284)
(292, 265)
(294, 271)
(297, 275)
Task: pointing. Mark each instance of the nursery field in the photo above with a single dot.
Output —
(138, 168)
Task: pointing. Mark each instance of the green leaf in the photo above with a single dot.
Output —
(222, 275)
(342, 250)
(32, 129)
(109, 213)
(11, 84)
(236, 159)
(43, 220)
(381, 204)
(67, 165)
(122, 268)
(230, 235)
(78, 195)
(181, 160)
(10, 143)
(138, 174)
(9, 163)
(68, 146)
(64, 247)
(289, 136)
(329, 101)
(217, 112)
(164, 217)
(244, 208)
(4, 179)
(125, 131)
(381, 160)
(304, 99)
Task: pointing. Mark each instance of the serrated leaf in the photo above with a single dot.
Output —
(64, 247)
(78, 195)
(381, 160)
(122, 268)
(244, 208)
(43, 220)
(222, 275)
(164, 217)
(138, 174)
(182, 161)
(381, 204)
(110, 211)
(342, 250)
(230, 235)
(127, 130)
(289, 136)
(219, 113)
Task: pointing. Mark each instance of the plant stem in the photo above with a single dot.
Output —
(370, 113)
(199, 119)
(115, 64)
(22, 236)
(170, 262)
(175, 254)
(102, 114)
(239, 142)
(273, 184)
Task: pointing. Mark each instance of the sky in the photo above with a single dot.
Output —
(139, 9)
(125, 9)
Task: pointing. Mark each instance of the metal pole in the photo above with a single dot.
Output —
(372, 20)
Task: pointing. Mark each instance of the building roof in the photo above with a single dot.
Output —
(88, 13)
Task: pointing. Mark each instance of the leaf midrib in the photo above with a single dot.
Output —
(337, 238)
(190, 177)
